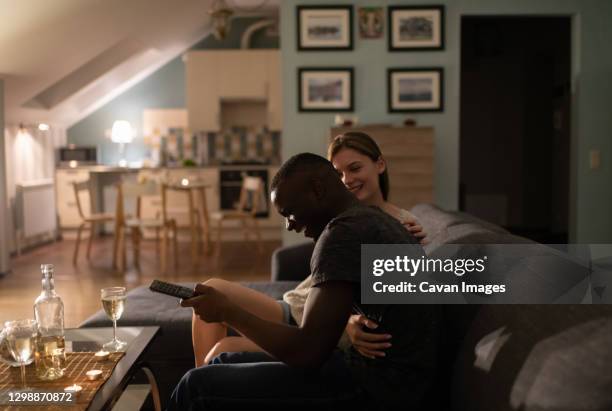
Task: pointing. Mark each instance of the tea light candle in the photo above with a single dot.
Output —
(93, 375)
(102, 355)
(74, 389)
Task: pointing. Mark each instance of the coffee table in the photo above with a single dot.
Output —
(138, 339)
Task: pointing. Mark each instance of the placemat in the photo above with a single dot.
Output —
(77, 364)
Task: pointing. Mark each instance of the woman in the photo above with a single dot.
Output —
(363, 171)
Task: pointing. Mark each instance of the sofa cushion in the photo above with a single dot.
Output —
(434, 219)
(536, 357)
(292, 262)
(445, 227)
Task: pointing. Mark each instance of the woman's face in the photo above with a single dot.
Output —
(359, 174)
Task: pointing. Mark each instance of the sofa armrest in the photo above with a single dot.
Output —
(291, 263)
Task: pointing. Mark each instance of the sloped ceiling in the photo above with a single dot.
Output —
(62, 59)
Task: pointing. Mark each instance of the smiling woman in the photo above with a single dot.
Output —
(363, 170)
(361, 166)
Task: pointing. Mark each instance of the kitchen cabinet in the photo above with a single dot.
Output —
(242, 75)
(203, 107)
(67, 210)
(213, 76)
(275, 98)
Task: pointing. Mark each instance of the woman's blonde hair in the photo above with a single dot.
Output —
(364, 144)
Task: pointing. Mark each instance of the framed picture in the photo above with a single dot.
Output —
(324, 28)
(415, 89)
(416, 28)
(371, 21)
(325, 89)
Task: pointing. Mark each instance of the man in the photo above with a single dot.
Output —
(306, 369)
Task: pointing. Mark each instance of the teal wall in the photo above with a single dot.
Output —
(165, 88)
(591, 192)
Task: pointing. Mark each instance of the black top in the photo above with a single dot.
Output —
(406, 374)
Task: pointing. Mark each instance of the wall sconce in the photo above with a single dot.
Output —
(122, 133)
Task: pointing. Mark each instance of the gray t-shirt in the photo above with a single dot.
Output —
(405, 376)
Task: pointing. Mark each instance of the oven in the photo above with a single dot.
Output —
(230, 184)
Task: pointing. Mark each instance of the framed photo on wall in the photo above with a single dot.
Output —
(415, 89)
(416, 28)
(325, 89)
(324, 27)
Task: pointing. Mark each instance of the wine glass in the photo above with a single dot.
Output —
(5, 354)
(113, 301)
(21, 340)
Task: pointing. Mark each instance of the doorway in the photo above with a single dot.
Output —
(515, 123)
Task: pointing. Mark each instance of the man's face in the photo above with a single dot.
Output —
(296, 200)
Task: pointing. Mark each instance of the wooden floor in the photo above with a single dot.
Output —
(80, 286)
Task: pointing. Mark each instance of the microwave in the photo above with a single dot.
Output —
(75, 155)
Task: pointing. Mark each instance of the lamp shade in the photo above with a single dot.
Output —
(122, 132)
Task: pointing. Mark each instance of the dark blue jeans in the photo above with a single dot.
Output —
(253, 380)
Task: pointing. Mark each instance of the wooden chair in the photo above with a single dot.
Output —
(93, 219)
(164, 177)
(135, 224)
(251, 192)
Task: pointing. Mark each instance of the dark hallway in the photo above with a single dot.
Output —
(515, 130)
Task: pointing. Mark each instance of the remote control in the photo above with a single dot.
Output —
(171, 289)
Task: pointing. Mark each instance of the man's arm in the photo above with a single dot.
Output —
(326, 313)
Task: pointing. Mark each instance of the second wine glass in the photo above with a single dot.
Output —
(113, 301)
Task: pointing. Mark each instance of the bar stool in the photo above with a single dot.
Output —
(199, 224)
(251, 192)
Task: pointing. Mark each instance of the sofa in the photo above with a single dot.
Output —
(493, 357)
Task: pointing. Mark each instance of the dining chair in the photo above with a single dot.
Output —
(135, 223)
(251, 194)
(91, 219)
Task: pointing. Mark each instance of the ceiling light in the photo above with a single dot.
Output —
(220, 14)
(43, 127)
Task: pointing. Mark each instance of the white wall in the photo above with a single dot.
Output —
(30, 155)
(4, 258)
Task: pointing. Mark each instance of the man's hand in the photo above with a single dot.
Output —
(370, 345)
(209, 304)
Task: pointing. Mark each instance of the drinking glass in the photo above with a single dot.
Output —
(5, 354)
(21, 340)
(113, 301)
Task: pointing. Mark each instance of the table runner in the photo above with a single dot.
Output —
(77, 364)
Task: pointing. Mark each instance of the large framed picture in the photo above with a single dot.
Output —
(324, 27)
(415, 89)
(416, 28)
(325, 89)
